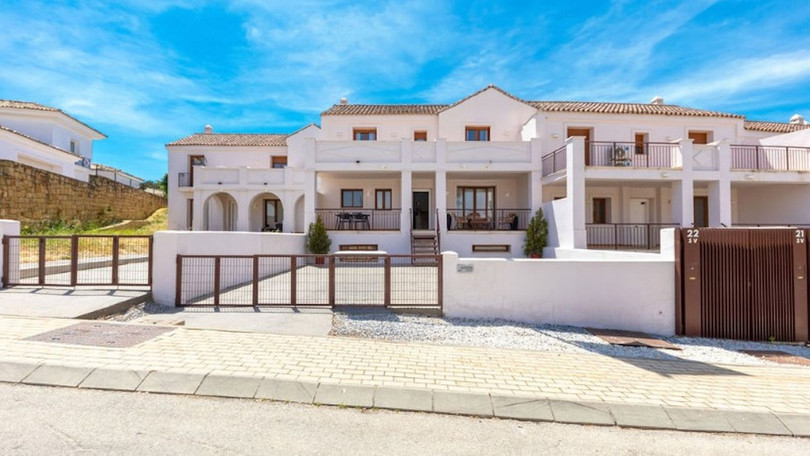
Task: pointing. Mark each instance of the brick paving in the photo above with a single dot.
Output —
(503, 372)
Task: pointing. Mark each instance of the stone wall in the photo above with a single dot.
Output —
(32, 195)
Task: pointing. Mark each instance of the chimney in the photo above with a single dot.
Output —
(344, 101)
(797, 119)
(208, 129)
(657, 100)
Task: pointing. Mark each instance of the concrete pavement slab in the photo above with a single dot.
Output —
(57, 375)
(699, 420)
(171, 383)
(462, 403)
(290, 321)
(522, 408)
(352, 396)
(641, 416)
(224, 386)
(286, 390)
(756, 423)
(581, 413)
(799, 425)
(62, 302)
(15, 372)
(403, 399)
(114, 379)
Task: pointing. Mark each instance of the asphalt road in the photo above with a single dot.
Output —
(43, 420)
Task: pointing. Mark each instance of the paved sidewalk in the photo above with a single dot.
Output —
(592, 389)
(62, 302)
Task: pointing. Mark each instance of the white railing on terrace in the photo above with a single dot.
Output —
(239, 176)
(394, 152)
(488, 152)
(358, 152)
(635, 155)
(770, 158)
(554, 161)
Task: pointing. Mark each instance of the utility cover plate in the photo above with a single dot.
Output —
(101, 335)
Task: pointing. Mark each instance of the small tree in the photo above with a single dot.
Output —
(536, 235)
(318, 241)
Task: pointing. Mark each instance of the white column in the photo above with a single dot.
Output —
(310, 198)
(406, 201)
(575, 191)
(720, 203)
(242, 211)
(288, 205)
(198, 222)
(683, 211)
(535, 191)
(441, 200)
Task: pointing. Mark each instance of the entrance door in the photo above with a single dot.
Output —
(586, 132)
(701, 205)
(421, 210)
(638, 232)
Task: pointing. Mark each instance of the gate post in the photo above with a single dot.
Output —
(293, 280)
(692, 322)
(178, 281)
(74, 260)
(41, 263)
(255, 297)
(217, 265)
(115, 258)
(800, 285)
(387, 280)
(5, 259)
(678, 282)
(332, 260)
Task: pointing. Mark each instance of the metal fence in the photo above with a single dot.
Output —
(554, 161)
(392, 281)
(361, 219)
(488, 220)
(636, 155)
(77, 260)
(625, 236)
(775, 158)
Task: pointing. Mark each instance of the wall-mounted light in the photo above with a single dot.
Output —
(664, 174)
(555, 136)
(220, 183)
(749, 176)
(357, 162)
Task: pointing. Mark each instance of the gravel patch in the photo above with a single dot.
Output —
(138, 311)
(549, 338)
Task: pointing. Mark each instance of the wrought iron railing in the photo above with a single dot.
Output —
(631, 154)
(554, 161)
(774, 158)
(488, 220)
(625, 236)
(360, 219)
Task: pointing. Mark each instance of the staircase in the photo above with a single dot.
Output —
(424, 243)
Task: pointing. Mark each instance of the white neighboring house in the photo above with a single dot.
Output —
(470, 174)
(46, 138)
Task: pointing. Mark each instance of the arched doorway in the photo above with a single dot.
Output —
(219, 213)
(266, 213)
(299, 215)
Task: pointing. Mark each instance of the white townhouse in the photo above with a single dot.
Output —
(469, 175)
(46, 138)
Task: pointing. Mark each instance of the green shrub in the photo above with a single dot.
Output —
(536, 235)
(318, 241)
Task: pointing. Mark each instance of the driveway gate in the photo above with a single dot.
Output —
(77, 260)
(738, 283)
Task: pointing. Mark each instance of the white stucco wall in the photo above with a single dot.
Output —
(632, 294)
(775, 203)
(389, 128)
(7, 228)
(169, 244)
(503, 115)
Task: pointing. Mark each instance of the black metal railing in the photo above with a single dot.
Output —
(347, 219)
(554, 161)
(775, 158)
(631, 154)
(184, 180)
(625, 236)
(488, 220)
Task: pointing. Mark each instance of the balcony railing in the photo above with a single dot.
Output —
(184, 179)
(488, 220)
(625, 236)
(554, 161)
(634, 155)
(770, 158)
(347, 219)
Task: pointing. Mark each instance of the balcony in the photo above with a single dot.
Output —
(239, 176)
(625, 236)
(351, 219)
(554, 161)
(184, 179)
(488, 220)
(488, 152)
(633, 155)
(770, 158)
(397, 152)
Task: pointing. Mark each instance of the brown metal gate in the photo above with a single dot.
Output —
(77, 260)
(737, 283)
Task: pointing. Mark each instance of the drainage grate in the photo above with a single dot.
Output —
(101, 335)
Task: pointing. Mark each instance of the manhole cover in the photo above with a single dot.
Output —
(101, 335)
(778, 357)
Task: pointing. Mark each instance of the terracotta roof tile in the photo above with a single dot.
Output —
(232, 139)
(15, 132)
(384, 110)
(626, 108)
(773, 127)
(38, 107)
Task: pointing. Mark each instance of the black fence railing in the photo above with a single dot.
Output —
(184, 179)
(554, 161)
(362, 279)
(77, 260)
(488, 220)
(774, 158)
(625, 236)
(361, 219)
(630, 154)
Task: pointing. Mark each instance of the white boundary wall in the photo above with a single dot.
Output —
(10, 228)
(631, 292)
(169, 244)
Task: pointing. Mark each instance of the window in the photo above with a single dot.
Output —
(74, 146)
(272, 215)
(351, 198)
(477, 134)
(420, 136)
(194, 160)
(476, 199)
(365, 134)
(641, 143)
(278, 162)
(189, 214)
(600, 210)
(699, 137)
(382, 199)
(586, 132)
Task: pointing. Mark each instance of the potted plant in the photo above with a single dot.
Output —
(317, 240)
(536, 235)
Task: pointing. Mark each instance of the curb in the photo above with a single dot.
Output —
(116, 308)
(414, 400)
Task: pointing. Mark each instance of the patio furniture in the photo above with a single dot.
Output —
(359, 218)
(344, 218)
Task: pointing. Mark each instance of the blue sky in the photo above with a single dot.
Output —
(148, 72)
